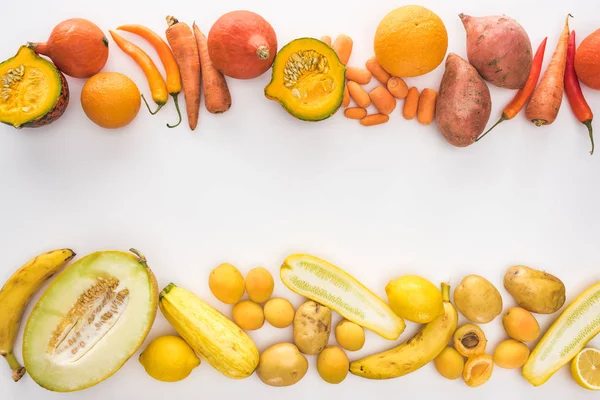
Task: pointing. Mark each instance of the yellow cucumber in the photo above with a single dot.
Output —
(416, 352)
(572, 330)
(326, 284)
(215, 338)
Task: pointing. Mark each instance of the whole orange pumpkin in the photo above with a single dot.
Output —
(242, 44)
(587, 61)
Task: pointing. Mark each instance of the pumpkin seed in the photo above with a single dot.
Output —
(296, 93)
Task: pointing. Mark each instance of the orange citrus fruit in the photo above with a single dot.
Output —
(411, 41)
(110, 99)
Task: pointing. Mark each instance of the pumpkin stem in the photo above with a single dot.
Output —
(178, 111)
(262, 52)
(148, 106)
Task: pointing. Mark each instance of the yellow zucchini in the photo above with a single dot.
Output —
(215, 338)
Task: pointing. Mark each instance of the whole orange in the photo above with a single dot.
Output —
(110, 99)
(587, 60)
(411, 41)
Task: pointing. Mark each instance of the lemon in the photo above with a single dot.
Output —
(415, 299)
(169, 359)
(585, 369)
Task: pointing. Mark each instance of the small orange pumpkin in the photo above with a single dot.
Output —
(76, 46)
(242, 45)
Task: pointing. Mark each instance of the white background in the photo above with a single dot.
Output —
(253, 185)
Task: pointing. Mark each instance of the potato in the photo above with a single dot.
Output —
(312, 326)
(499, 49)
(535, 291)
(281, 365)
(477, 299)
(464, 104)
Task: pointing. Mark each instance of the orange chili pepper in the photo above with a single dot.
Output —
(166, 57)
(157, 84)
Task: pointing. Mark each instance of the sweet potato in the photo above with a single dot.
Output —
(499, 48)
(464, 104)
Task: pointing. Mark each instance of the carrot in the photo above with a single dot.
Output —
(217, 98)
(383, 101)
(157, 84)
(426, 107)
(343, 47)
(580, 107)
(346, 100)
(518, 102)
(411, 103)
(167, 59)
(326, 40)
(397, 87)
(181, 38)
(355, 113)
(377, 70)
(358, 75)
(547, 97)
(374, 119)
(358, 94)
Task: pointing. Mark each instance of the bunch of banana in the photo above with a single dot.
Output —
(15, 296)
(416, 352)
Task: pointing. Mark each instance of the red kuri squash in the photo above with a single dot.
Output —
(76, 46)
(242, 44)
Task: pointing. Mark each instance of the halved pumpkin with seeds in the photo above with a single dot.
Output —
(90, 321)
(307, 79)
(33, 92)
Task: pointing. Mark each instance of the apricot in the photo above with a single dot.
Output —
(259, 284)
(449, 363)
(469, 340)
(511, 354)
(226, 283)
(248, 315)
(521, 325)
(478, 370)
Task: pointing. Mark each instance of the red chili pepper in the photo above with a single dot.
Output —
(580, 107)
(520, 99)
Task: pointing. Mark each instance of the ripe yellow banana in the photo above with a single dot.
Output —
(17, 292)
(416, 352)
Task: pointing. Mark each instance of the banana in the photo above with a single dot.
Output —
(416, 352)
(15, 296)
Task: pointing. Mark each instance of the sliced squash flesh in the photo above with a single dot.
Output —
(29, 88)
(90, 320)
(307, 80)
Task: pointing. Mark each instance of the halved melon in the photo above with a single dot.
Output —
(90, 321)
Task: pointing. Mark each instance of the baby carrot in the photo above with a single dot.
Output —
(167, 59)
(326, 40)
(397, 87)
(374, 119)
(358, 75)
(377, 70)
(355, 113)
(157, 84)
(426, 107)
(546, 100)
(383, 101)
(580, 107)
(411, 103)
(358, 94)
(343, 47)
(217, 98)
(346, 99)
(518, 102)
(181, 38)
